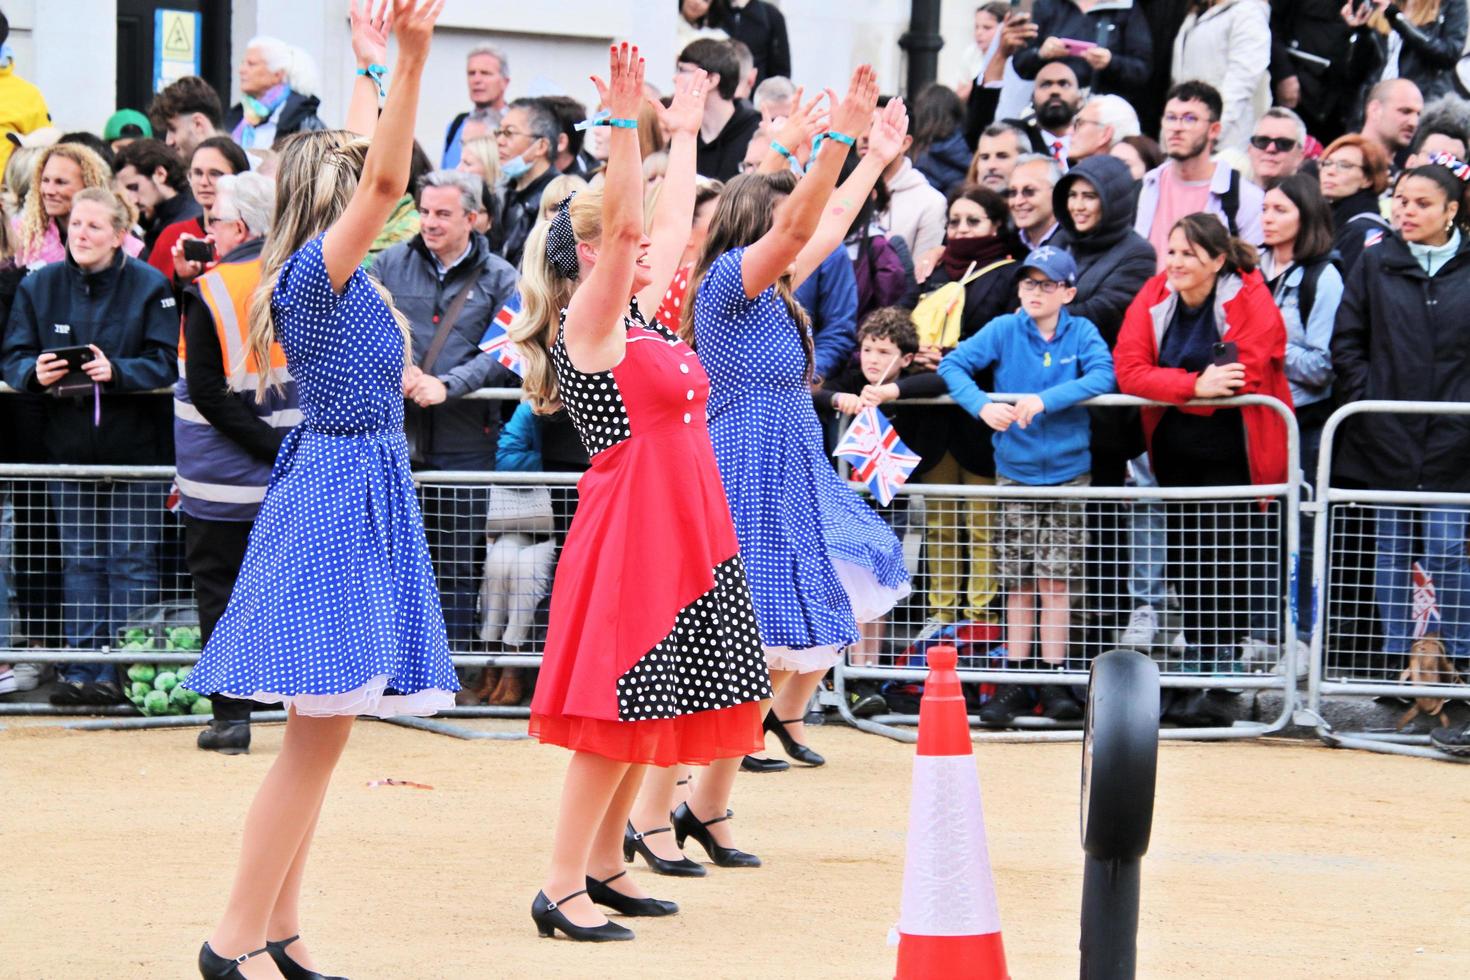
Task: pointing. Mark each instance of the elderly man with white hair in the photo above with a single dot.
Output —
(1277, 147)
(278, 85)
(226, 434)
(1103, 122)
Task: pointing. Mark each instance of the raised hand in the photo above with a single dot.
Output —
(370, 27)
(804, 123)
(890, 126)
(686, 112)
(623, 95)
(412, 22)
(854, 113)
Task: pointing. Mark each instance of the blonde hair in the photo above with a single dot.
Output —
(122, 214)
(561, 187)
(544, 295)
(1418, 12)
(33, 219)
(316, 178)
(18, 177)
(486, 152)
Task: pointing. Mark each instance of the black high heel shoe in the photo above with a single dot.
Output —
(686, 824)
(289, 968)
(801, 753)
(213, 966)
(682, 868)
(549, 917)
(627, 904)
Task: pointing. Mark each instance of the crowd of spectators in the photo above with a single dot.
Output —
(1285, 181)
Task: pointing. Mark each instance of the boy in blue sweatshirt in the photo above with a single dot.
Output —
(1054, 361)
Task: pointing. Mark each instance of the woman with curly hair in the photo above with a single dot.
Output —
(60, 171)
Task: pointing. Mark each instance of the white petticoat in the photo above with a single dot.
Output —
(870, 600)
(368, 699)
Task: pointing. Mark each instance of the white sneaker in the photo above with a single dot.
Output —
(7, 681)
(1303, 655)
(28, 677)
(1257, 653)
(1143, 626)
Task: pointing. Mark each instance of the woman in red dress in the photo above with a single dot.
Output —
(652, 655)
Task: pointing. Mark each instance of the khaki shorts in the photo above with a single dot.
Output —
(1041, 538)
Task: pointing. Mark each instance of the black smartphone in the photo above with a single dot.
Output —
(198, 250)
(1021, 10)
(1225, 352)
(74, 357)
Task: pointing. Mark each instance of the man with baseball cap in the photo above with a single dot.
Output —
(1059, 360)
(124, 126)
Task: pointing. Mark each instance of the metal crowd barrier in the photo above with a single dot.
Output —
(1383, 562)
(1251, 596)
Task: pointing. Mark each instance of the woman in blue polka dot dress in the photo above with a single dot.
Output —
(335, 613)
(818, 557)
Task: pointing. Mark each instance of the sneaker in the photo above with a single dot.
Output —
(1008, 701)
(1303, 656)
(226, 737)
(864, 702)
(7, 681)
(1058, 704)
(1143, 626)
(1199, 709)
(1257, 653)
(28, 677)
(1455, 741)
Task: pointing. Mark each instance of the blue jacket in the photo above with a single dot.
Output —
(830, 298)
(1073, 366)
(520, 442)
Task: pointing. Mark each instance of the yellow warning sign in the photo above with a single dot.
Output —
(175, 46)
(178, 35)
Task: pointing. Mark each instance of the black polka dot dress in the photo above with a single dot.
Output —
(335, 610)
(652, 653)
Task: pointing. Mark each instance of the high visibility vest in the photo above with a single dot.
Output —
(217, 479)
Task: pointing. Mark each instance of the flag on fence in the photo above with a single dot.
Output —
(497, 341)
(1426, 605)
(877, 456)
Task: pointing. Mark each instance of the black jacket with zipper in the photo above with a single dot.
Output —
(1427, 57)
(1404, 335)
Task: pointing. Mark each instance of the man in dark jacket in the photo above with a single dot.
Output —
(450, 286)
(527, 140)
(1056, 100)
(1119, 60)
(762, 28)
(1309, 64)
(728, 126)
(151, 176)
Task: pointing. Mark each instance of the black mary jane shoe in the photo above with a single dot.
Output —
(633, 843)
(549, 917)
(213, 966)
(686, 824)
(289, 968)
(627, 904)
(753, 763)
(804, 754)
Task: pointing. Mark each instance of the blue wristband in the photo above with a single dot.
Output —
(375, 73)
(791, 157)
(833, 134)
(604, 118)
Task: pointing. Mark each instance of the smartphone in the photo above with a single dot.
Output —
(1226, 352)
(198, 250)
(74, 357)
(1075, 47)
(1021, 9)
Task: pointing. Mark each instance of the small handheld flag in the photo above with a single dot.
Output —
(1425, 609)
(877, 456)
(497, 340)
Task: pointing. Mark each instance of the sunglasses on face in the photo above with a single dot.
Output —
(1281, 144)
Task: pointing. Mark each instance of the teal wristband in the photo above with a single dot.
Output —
(604, 118)
(791, 157)
(375, 73)
(833, 134)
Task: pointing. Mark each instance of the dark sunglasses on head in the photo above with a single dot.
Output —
(1281, 144)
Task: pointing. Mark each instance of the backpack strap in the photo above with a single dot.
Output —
(1230, 202)
(989, 268)
(1307, 292)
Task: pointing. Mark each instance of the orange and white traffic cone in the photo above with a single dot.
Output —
(949, 924)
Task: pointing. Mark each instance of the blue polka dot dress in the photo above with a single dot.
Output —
(335, 611)
(817, 557)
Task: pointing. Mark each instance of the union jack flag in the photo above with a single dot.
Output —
(1425, 604)
(497, 341)
(877, 456)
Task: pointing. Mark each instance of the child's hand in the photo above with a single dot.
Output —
(998, 415)
(928, 358)
(847, 404)
(1027, 408)
(878, 394)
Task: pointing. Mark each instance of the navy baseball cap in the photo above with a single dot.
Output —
(1054, 263)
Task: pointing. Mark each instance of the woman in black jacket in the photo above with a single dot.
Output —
(1401, 334)
(117, 315)
(1353, 171)
(1420, 41)
(1094, 203)
(1122, 54)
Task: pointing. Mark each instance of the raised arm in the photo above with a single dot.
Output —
(594, 337)
(385, 171)
(795, 135)
(885, 143)
(673, 215)
(796, 219)
(369, 47)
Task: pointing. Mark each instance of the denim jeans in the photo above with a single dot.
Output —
(1437, 535)
(109, 550)
(1147, 525)
(454, 524)
(7, 538)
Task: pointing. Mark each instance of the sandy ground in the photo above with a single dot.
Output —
(1279, 860)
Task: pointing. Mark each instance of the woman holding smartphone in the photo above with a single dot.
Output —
(100, 322)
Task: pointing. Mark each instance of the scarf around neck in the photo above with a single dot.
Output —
(959, 253)
(257, 111)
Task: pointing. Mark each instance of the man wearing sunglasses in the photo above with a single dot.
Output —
(1277, 148)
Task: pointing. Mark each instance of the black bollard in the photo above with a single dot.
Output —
(1120, 751)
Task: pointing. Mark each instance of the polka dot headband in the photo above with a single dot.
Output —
(561, 243)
